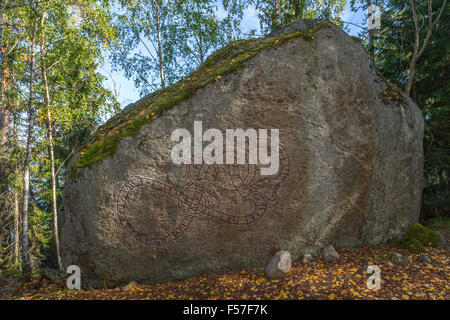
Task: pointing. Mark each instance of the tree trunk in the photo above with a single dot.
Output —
(299, 7)
(16, 228)
(275, 16)
(16, 208)
(4, 113)
(5, 119)
(26, 268)
(160, 55)
(200, 42)
(50, 150)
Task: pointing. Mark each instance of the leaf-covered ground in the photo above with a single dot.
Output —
(316, 279)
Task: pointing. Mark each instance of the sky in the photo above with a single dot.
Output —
(127, 93)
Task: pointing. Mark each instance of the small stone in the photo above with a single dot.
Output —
(129, 286)
(279, 266)
(330, 254)
(407, 260)
(397, 258)
(443, 242)
(426, 259)
(307, 257)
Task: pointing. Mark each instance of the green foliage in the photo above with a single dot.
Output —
(147, 51)
(273, 14)
(198, 32)
(41, 236)
(74, 45)
(145, 38)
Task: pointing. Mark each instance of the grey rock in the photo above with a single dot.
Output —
(279, 266)
(351, 172)
(330, 254)
(426, 259)
(307, 257)
(128, 287)
(443, 242)
(407, 261)
(397, 258)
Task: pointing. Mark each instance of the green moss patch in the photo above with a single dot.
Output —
(418, 238)
(227, 60)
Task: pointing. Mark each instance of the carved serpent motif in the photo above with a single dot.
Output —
(197, 198)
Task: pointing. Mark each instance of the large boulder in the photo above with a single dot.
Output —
(350, 165)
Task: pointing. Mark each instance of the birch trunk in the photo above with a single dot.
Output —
(157, 6)
(26, 268)
(50, 150)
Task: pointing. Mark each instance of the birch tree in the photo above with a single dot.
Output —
(420, 46)
(34, 20)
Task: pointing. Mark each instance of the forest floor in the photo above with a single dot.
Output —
(315, 279)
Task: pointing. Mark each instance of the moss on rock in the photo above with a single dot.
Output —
(418, 238)
(128, 123)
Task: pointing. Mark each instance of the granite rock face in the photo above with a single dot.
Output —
(350, 171)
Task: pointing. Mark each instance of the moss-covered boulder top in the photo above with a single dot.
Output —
(228, 59)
